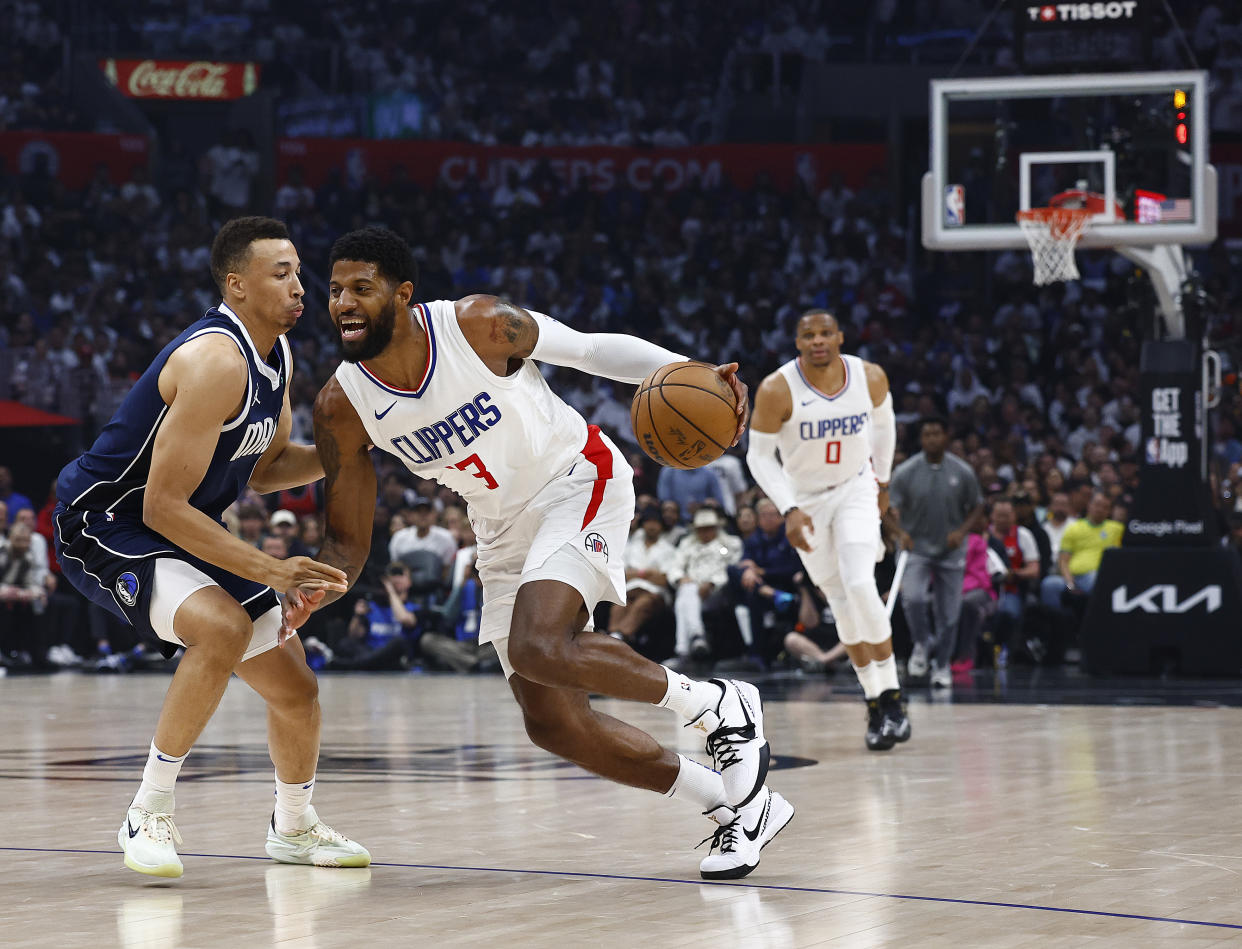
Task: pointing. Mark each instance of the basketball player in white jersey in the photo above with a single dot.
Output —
(450, 388)
(831, 418)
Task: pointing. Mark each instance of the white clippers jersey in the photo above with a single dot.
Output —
(495, 440)
(827, 439)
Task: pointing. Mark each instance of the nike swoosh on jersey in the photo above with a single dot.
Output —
(763, 819)
(380, 415)
(808, 401)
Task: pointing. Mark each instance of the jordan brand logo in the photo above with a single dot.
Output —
(380, 415)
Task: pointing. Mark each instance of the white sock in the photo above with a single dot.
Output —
(886, 674)
(158, 777)
(292, 800)
(697, 784)
(867, 679)
(688, 697)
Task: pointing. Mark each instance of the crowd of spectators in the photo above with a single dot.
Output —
(1038, 386)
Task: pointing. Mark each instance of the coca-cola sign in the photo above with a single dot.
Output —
(175, 79)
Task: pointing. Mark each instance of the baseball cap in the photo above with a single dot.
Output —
(284, 517)
(706, 517)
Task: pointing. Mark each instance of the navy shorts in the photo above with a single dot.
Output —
(111, 559)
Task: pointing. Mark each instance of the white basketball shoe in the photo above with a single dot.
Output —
(733, 732)
(735, 846)
(149, 841)
(318, 846)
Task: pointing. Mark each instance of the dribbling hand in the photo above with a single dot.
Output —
(728, 372)
(798, 529)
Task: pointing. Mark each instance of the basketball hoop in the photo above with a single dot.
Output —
(1053, 232)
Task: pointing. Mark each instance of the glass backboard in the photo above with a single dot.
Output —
(1130, 146)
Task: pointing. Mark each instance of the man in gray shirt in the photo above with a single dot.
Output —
(934, 499)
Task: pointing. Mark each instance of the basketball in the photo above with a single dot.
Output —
(684, 415)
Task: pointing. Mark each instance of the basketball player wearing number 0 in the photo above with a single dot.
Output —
(451, 388)
(831, 418)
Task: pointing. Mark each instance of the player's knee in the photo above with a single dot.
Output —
(212, 628)
(535, 655)
(556, 735)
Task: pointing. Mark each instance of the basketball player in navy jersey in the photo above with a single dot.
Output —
(139, 532)
(451, 388)
(831, 418)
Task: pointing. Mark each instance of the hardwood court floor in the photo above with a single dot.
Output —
(997, 826)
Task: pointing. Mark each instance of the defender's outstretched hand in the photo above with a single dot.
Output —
(295, 610)
(728, 372)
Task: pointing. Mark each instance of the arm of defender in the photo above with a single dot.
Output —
(203, 383)
(350, 485)
(286, 464)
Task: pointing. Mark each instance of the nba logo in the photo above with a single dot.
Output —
(1153, 451)
(954, 205)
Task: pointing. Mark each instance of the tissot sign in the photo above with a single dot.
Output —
(1076, 12)
(180, 79)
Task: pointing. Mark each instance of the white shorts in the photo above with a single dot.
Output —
(846, 514)
(574, 531)
(174, 581)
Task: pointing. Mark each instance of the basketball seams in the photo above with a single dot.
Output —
(672, 459)
(731, 403)
(674, 416)
(682, 415)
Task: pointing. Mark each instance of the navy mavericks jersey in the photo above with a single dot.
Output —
(111, 478)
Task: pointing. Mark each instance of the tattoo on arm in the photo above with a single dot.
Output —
(514, 326)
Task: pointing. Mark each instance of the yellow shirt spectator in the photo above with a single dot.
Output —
(1086, 542)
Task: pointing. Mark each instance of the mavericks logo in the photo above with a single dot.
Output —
(595, 544)
(127, 588)
(257, 437)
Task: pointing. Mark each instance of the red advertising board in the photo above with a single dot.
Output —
(600, 167)
(72, 157)
(180, 79)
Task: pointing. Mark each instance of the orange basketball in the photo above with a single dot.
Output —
(684, 415)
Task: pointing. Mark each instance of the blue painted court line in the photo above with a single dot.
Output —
(740, 885)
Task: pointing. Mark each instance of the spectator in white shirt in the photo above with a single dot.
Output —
(700, 574)
(648, 557)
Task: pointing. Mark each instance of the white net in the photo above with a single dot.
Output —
(1052, 234)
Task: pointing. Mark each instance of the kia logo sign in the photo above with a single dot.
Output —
(1162, 598)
